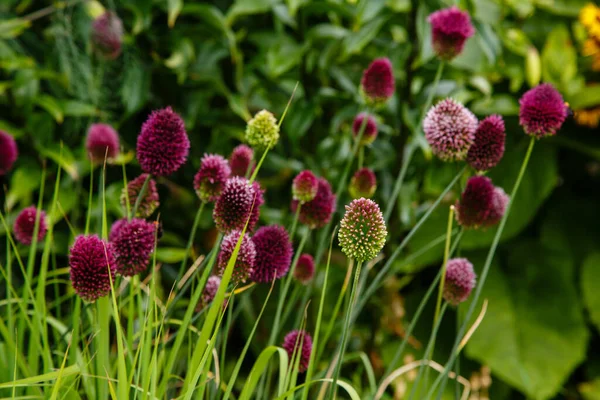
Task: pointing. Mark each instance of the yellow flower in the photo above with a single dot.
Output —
(589, 16)
(588, 117)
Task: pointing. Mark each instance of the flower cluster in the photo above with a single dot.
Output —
(102, 142)
(211, 177)
(246, 258)
(481, 204)
(8, 152)
(298, 339)
(305, 269)
(488, 146)
(369, 130)
(378, 83)
(542, 111)
(209, 292)
(362, 230)
(133, 243)
(273, 253)
(240, 160)
(450, 29)
(25, 225)
(239, 202)
(262, 131)
(317, 212)
(107, 35)
(460, 281)
(148, 203)
(92, 267)
(305, 186)
(363, 183)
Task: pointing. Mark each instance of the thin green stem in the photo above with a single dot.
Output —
(141, 195)
(444, 264)
(295, 223)
(361, 156)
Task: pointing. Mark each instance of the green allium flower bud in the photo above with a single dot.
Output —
(362, 230)
(262, 131)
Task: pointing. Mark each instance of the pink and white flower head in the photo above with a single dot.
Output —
(543, 111)
(25, 225)
(8, 152)
(488, 148)
(305, 186)
(377, 82)
(460, 281)
(450, 29)
(211, 177)
(102, 141)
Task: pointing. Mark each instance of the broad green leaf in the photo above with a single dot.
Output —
(356, 42)
(559, 58)
(249, 7)
(25, 179)
(590, 287)
(588, 97)
(283, 56)
(50, 104)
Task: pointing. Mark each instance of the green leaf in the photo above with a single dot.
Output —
(355, 42)
(588, 97)
(170, 255)
(73, 108)
(249, 7)
(590, 390)
(283, 56)
(11, 28)
(590, 281)
(50, 104)
(502, 104)
(559, 58)
(25, 179)
(136, 86)
(174, 7)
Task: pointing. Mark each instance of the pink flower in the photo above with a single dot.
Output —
(133, 243)
(305, 269)
(273, 253)
(93, 266)
(8, 152)
(107, 35)
(240, 160)
(542, 111)
(246, 258)
(488, 148)
(25, 225)
(149, 201)
(481, 204)
(293, 341)
(450, 29)
(210, 178)
(239, 202)
(363, 184)
(305, 186)
(369, 131)
(377, 82)
(460, 281)
(102, 141)
(317, 212)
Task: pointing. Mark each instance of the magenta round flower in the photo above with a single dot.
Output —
(481, 204)
(25, 225)
(115, 229)
(378, 83)
(363, 183)
(210, 178)
(369, 131)
(460, 280)
(107, 35)
(305, 269)
(240, 160)
(450, 130)
(246, 258)
(450, 29)
(499, 203)
(90, 261)
(239, 202)
(150, 200)
(317, 212)
(209, 292)
(293, 341)
(8, 152)
(133, 243)
(542, 111)
(163, 144)
(102, 141)
(305, 186)
(488, 148)
(362, 230)
(273, 253)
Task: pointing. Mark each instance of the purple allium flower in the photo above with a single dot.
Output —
(133, 243)
(362, 230)
(450, 130)
(370, 129)
(90, 260)
(115, 229)
(377, 82)
(210, 291)
(149, 202)
(293, 341)
(305, 269)
(235, 205)
(107, 35)
(210, 178)
(450, 29)
(8, 152)
(499, 203)
(273, 253)
(363, 183)
(102, 141)
(262, 131)
(246, 258)
(542, 111)
(305, 186)
(163, 144)
(460, 280)
(481, 204)
(317, 212)
(240, 160)
(488, 148)
(25, 225)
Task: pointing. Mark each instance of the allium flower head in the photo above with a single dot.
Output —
(450, 29)
(210, 291)
(25, 225)
(369, 131)
(210, 178)
(481, 204)
(163, 144)
(488, 148)
(8, 152)
(542, 111)
(378, 83)
(133, 243)
(149, 202)
(91, 260)
(273, 253)
(235, 205)
(499, 203)
(115, 229)
(293, 341)
(362, 230)
(102, 141)
(107, 35)
(240, 160)
(317, 212)
(246, 258)
(363, 183)
(305, 269)
(460, 280)
(262, 131)
(450, 130)
(305, 186)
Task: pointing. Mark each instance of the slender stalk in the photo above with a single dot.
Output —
(444, 264)
(295, 223)
(361, 156)
(140, 195)
(190, 242)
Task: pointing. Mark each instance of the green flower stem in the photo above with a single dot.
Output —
(444, 264)
(361, 156)
(140, 195)
(126, 192)
(295, 223)
(190, 242)
(443, 377)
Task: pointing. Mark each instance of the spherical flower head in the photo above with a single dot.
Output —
(450, 130)
(362, 230)
(273, 253)
(210, 291)
(460, 280)
(92, 266)
(25, 225)
(296, 340)
(317, 212)
(305, 269)
(239, 202)
(107, 35)
(450, 29)
(211, 177)
(262, 131)
(542, 111)
(305, 186)
(377, 82)
(133, 243)
(369, 131)
(115, 229)
(363, 183)
(149, 201)
(102, 141)
(163, 144)
(8, 152)
(488, 148)
(240, 160)
(246, 258)
(481, 204)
